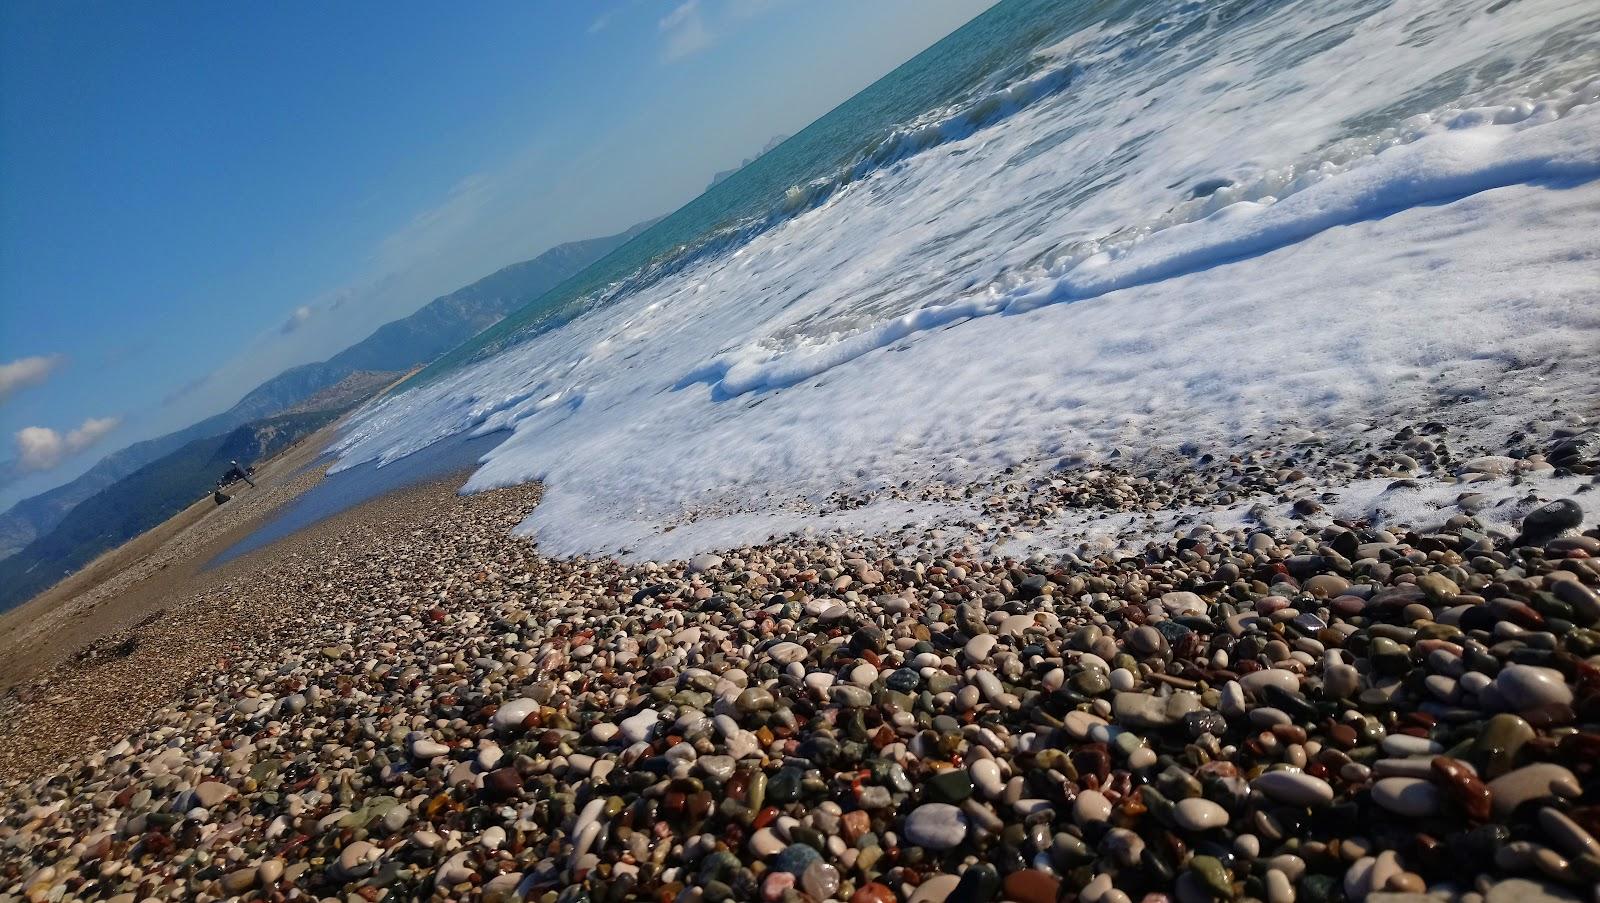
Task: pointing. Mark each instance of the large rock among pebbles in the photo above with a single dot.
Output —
(937, 826)
(787, 653)
(513, 713)
(1521, 890)
(1524, 687)
(1539, 781)
(1183, 603)
(209, 794)
(1410, 797)
(426, 748)
(699, 564)
(355, 860)
(1548, 521)
(1146, 712)
(1295, 788)
(638, 727)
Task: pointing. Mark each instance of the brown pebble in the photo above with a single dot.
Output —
(1032, 886)
(1406, 883)
(1464, 787)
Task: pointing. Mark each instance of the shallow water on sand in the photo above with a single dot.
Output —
(348, 488)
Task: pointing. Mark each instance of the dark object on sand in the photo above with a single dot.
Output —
(239, 473)
(219, 496)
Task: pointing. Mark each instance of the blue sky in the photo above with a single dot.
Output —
(194, 196)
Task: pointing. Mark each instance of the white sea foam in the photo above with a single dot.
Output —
(1439, 167)
(1396, 206)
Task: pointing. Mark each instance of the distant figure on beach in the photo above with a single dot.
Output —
(238, 473)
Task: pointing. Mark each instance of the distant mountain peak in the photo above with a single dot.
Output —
(772, 142)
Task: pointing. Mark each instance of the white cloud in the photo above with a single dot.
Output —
(27, 371)
(686, 32)
(89, 432)
(41, 448)
(296, 320)
(38, 448)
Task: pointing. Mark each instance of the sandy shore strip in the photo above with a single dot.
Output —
(137, 580)
(1231, 691)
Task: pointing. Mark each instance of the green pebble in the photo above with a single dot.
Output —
(951, 786)
(1211, 873)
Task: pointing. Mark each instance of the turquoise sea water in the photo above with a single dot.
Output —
(1068, 227)
(858, 135)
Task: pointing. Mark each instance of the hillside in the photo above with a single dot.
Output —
(145, 498)
(347, 392)
(409, 342)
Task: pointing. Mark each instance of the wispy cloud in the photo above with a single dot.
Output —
(184, 390)
(27, 371)
(41, 448)
(427, 230)
(403, 269)
(749, 9)
(694, 25)
(686, 32)
(392, 272)
(681, 14)
(619, 11)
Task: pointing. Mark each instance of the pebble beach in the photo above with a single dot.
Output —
(1293, 708)
(1125, 452)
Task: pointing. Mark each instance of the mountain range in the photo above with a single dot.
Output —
(392, 349)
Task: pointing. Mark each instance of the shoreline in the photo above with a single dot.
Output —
(335, 493)
(406, 701)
